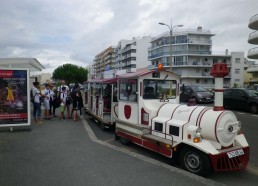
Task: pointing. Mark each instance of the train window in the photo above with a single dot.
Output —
(155, 89)
(173, 130)
(158, 127)
(98, 89)
(128, 89)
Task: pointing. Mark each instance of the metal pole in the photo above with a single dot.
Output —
(170, 92)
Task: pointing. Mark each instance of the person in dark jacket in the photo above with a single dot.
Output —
(77, 104)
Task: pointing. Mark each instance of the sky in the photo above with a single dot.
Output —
(57, 32)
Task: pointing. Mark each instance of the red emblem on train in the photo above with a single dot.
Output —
(127, 111)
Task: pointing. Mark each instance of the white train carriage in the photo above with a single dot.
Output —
(202, 138)
(102, 101)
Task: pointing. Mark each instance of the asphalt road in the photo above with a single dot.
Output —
(63, 153)
(246, 177)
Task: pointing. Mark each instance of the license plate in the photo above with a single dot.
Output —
(235, 153)
(208, 98)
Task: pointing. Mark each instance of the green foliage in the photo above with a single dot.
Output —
(235, 85)
(70, 73)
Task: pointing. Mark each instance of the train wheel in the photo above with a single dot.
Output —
(195, 161)
(102, 126)
(116, 136)
(124, 141)
(254, 108)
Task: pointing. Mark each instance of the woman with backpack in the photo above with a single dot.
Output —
(77, 103)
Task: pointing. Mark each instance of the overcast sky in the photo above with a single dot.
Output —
(61, 31)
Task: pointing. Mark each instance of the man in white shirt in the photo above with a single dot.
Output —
(67, 105)
(36, 103)
(46, 101)
(52, 109)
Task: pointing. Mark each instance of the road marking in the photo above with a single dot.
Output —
(110, 140)
(252, 169)
(241, 113)
(255, 115)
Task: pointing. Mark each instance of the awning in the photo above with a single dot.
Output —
(31, 63)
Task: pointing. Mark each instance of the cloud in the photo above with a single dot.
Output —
(57, 32)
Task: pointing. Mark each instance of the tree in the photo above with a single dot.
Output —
(70, 73)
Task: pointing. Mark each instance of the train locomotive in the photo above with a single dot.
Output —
(146, 111)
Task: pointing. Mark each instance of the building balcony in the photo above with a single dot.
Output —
(188, 64)
(253, 53)
(188, 41)
(166, 54)
(128, 48)
(201, 76)
(253, 22)
(253, 38)
(252, 69)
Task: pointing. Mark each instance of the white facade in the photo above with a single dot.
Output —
(253, 52)
(192, 57)
(132, 54)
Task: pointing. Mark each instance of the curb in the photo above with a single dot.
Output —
(146, 159)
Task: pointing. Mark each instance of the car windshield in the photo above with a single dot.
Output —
(252, 93)
(199, 89)
(155, 89)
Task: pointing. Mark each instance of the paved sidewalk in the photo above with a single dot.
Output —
(61, 153)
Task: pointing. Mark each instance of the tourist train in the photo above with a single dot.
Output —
(144, 108)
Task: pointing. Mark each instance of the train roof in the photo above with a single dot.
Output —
(138, 73)
(143, 71)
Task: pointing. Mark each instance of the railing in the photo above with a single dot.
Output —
(184, 41)
(253, 17)
(179, 52)
(253, 50)
(253, 33)
(252, 68)
(180, 31)
(180, 63)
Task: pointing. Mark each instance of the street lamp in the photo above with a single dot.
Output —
(170, 32)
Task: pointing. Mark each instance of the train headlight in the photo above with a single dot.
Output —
(198, 132)
(194, 134)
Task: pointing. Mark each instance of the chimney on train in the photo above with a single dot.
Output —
(219, 71)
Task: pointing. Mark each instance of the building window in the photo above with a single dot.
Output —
(197, 81)
(215, 61)
(205, 81)
(237, 71)
(237, 60)
(237, 80)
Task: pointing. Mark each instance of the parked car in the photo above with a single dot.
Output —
(241, 98)
(255, 87)
(199, 93)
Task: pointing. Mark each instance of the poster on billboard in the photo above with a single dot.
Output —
(14, 97)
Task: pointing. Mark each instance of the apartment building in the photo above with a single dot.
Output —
(253, 53)
(192, 57)
(105, 60)
(132, 54)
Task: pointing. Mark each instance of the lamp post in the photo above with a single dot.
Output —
(170, 33)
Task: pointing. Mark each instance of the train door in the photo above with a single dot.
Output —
(100, 102)
(128, 103)
(98, 90)
(85, 95)
(90, 97)
(114, 103)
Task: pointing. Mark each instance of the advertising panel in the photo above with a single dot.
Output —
(14, 97)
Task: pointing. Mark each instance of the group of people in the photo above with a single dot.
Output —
(61, 97)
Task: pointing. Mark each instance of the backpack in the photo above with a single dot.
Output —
(31, 96)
